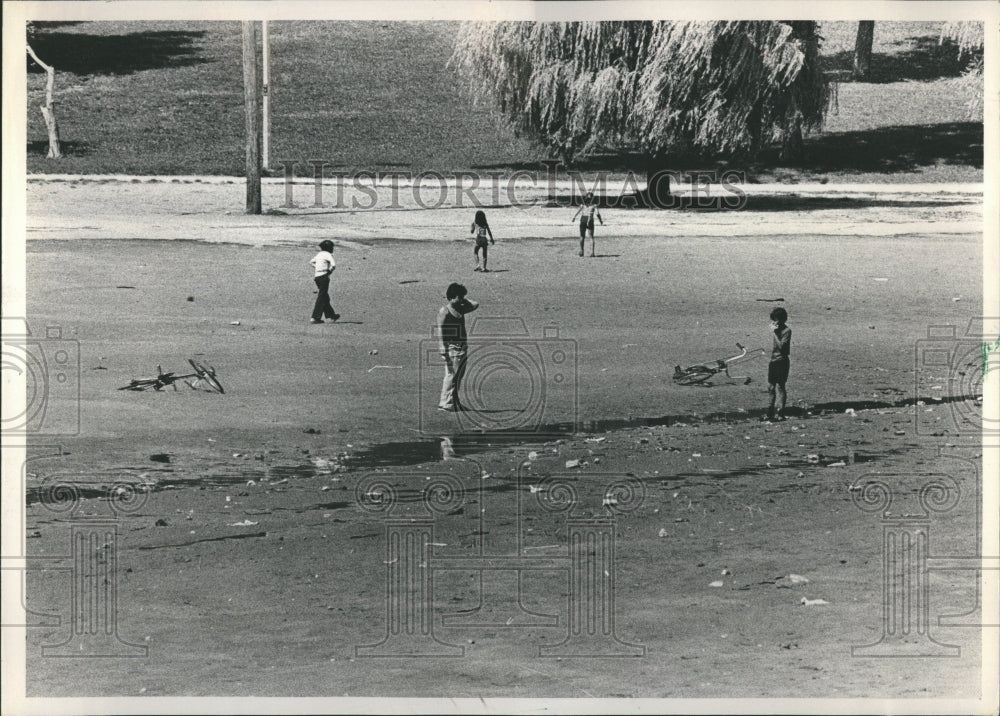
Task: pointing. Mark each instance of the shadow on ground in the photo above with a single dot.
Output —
(83, 54)
(926, 60)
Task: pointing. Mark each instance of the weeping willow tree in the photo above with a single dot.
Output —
(662, 90)
(969, 38)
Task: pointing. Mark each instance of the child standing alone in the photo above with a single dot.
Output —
(777, 369)
(323, 266)
(481, 228)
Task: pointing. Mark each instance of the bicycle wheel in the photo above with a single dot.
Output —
(693, 376)
(138, 385)
(206, 374)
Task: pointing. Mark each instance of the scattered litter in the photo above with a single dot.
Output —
(850, 411)
(324, 488)
(572, 463)
(813, 602)
(957, 299)
(839, 463)
(160, 457)
(696, 454)
(717, 583)
(236, 454)
(373, 352)
(812, 459)
(250, 483)
(234, 323)
(485, 476)
(161, 523)
(801, 474)
(534, 488)
(595, 440)
(769, 300)
(244, 523)
(726, 571)
(663, 532)
(880, 279)
(191, 299)
(900, 432)
(609, 500)
(797, 579)
(532, 455)
(228, 498)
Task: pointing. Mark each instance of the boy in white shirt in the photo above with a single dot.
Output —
(324, 265)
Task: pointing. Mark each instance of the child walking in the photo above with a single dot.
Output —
(481, 228)
(587, 211)
(777, 369)
(323, 266)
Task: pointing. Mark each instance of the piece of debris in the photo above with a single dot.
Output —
(812, 458)
(880, 279)
(595, 440)
(244, 523)
(850, 411)
(534, 488)
(124, 286)
(797, 579)
(663, 532)
(532, 455)
(191, 299)
(717, 583)
(160, 457)
(234, 323)
(812, 602)
(161, 523)
(311, 431)
(839, 463)
(572, 463)
(769, 300)
(373, 352)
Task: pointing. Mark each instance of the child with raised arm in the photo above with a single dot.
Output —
(481, 228)
(587, 211)
(777, 369)
(453, 339)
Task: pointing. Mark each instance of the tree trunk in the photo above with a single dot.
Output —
(863, 49)
(252, 91)
(49, 108)
(792, 149)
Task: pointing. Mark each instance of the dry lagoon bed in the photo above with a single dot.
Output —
(587, 506)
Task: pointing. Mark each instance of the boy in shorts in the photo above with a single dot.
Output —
(777, 369)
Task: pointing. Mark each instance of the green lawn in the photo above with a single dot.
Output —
(167, 98)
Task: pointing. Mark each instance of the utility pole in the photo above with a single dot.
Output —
(266, 154)
(252, 91)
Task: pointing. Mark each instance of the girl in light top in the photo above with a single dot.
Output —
(587, 211)
(481, 228)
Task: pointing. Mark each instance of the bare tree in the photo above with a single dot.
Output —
(49, 108)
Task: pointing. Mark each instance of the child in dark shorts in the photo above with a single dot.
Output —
(777, 369)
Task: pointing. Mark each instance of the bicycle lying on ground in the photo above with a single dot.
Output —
(204, 377)
(698, 374)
